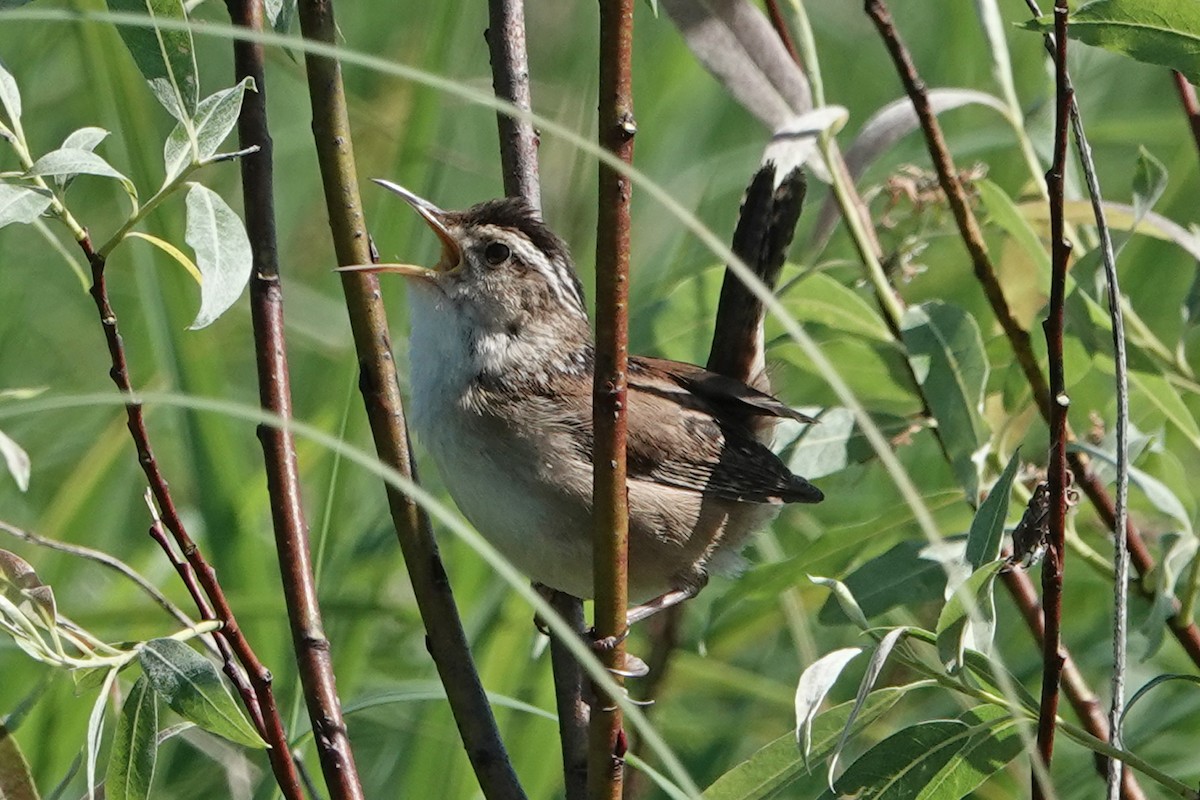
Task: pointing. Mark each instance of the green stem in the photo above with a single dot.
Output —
(141, 213)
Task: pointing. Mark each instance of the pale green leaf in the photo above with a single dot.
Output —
(191, 685)
(85, 139)
(215, 117)
(67, 162)
(222, 249)
(164, 57)
(879, 658)
(1162, 32)
(845, 599)
(22, 204)
(955, 628)
(17, 461)
(10, 95)
(814, 684)
(95, 730)
(1149, 182)
(134, 750)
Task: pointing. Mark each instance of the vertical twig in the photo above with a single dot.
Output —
(568, 699)
(781, 29)
(606, 748)
(254, 686)
(519, 166)
(510, 81)
(1056, 473)
(445, 638)
(312, 648)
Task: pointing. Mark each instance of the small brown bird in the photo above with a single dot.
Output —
(502, 362)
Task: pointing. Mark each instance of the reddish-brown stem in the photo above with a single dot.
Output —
(1056, 471)
(606, 749)
(445, 638)
(313, 659)
(1079, 694)
(1187, 96)
(781, 29)
(206, 591)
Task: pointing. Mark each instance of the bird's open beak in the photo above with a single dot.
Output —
(435, 218)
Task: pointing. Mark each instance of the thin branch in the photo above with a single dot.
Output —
(510, 80)
(206, 591)
(312, 648)
(113, 563)
(1079, 694)
(606, 749)
(445, 638)
(779, 23)
(519, 165)
(568, 699)
(1056, 471)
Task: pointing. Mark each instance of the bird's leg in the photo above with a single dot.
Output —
(660, 603)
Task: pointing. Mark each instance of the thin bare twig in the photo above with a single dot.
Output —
(313, 659)
(445, 638)
(206, 591)
(113, 563)
(606, 748)
(1056, 471)
(519, 166)
(510, 81)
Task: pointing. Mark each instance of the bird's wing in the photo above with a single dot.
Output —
(699, 388)
(674, 438)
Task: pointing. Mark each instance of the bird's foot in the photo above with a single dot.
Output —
(632, 666)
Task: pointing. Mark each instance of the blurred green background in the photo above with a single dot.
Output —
(730, 687)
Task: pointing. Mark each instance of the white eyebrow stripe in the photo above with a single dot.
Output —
(559, 275)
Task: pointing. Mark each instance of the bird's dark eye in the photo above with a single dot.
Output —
(496, 253)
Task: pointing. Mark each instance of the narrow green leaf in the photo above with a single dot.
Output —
(878, 658)
(280, 14)
(191, 685)
(779, 763)
(814, 684)
(68, 162)
(22, 204)
(1162, 32)
(10, 95)
(95, 730)
(165, 58)
(1149, 182)
(987, 528)
(17, 461)
(1003, 212)
(902, 764)
(1155, 681)
(994, 743)
(845, 599)
(955, 629)
(134, 748)
(222, 252)
(215, 117)
(819, 299)
(1155, 490)
(1158, 391)
(16, 780)
(947, 356)
(898, 577)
